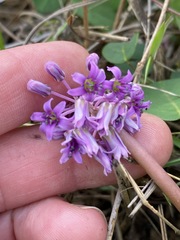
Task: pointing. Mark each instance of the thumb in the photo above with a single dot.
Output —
(55, 219)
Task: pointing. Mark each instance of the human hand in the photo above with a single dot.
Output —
(30, 174)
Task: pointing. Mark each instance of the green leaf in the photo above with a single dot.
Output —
(159, 37)
(138, 51)
(1, 42)
(156, 44)
(176, 141)
(174, 162)
(147, 68)
(175, 74)
(118, 53)
(164, 105)
(174, 4)
(101, 14)
(46, 6)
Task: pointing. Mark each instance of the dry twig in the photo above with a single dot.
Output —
(144, 200)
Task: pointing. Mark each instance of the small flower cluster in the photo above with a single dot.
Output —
(90, 119)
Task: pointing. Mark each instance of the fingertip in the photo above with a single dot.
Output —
(56, 219)
(156, 137)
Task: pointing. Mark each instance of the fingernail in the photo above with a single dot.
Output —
(93, 208)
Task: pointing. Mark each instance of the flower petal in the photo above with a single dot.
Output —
(37, 117)
(59, 108)
(79, 91)
(81, 112)
(115, 71)
(47, 106)
(79, 78)
(93, 57)
(77, 157)
(127, 78)
(101, 76)
(93, 71)
(65, 155)
(48, 129)
(105, 160)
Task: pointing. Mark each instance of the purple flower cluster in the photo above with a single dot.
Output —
(90, 119)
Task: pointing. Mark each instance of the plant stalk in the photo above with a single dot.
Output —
(152, 168)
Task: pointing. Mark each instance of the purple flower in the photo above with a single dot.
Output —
(58, 133)
(72, 149)
(105, 160)
(115, 145)
(93, 57)
(86, 139)
(50, 118)
(137, 97)
(96, 112)
(91, 85)
(104, 116)
(132, 121)
(81, 112)
(55, 71)
(78, 141)
(119, 115)
(39, 88)
(118, 86)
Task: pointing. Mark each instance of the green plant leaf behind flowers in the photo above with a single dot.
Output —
(159, 37)
(156, 44)
(164, 104)
(101, 13)
(120, 52)
(46, 6)
(174, 4)
(172, 163)
(176, 141)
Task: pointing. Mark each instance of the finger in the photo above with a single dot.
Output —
(30, 170)
(53, 219)
(155, 136)
(20, 64)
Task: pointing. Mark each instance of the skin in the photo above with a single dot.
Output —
(30, 174)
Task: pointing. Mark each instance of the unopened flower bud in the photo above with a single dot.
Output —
(92, 58)
(39, 88)
(54, 70)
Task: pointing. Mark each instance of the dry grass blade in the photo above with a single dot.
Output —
(8, 32)
(122, 181)
(108, 36)
(118, 14)
(168, 10)
(86, 24)
(147, 191)
(139, 13)
(114, 215)
(162, 224)
(145, 202)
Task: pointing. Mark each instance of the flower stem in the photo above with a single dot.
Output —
(152, 168)
(62, 96)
